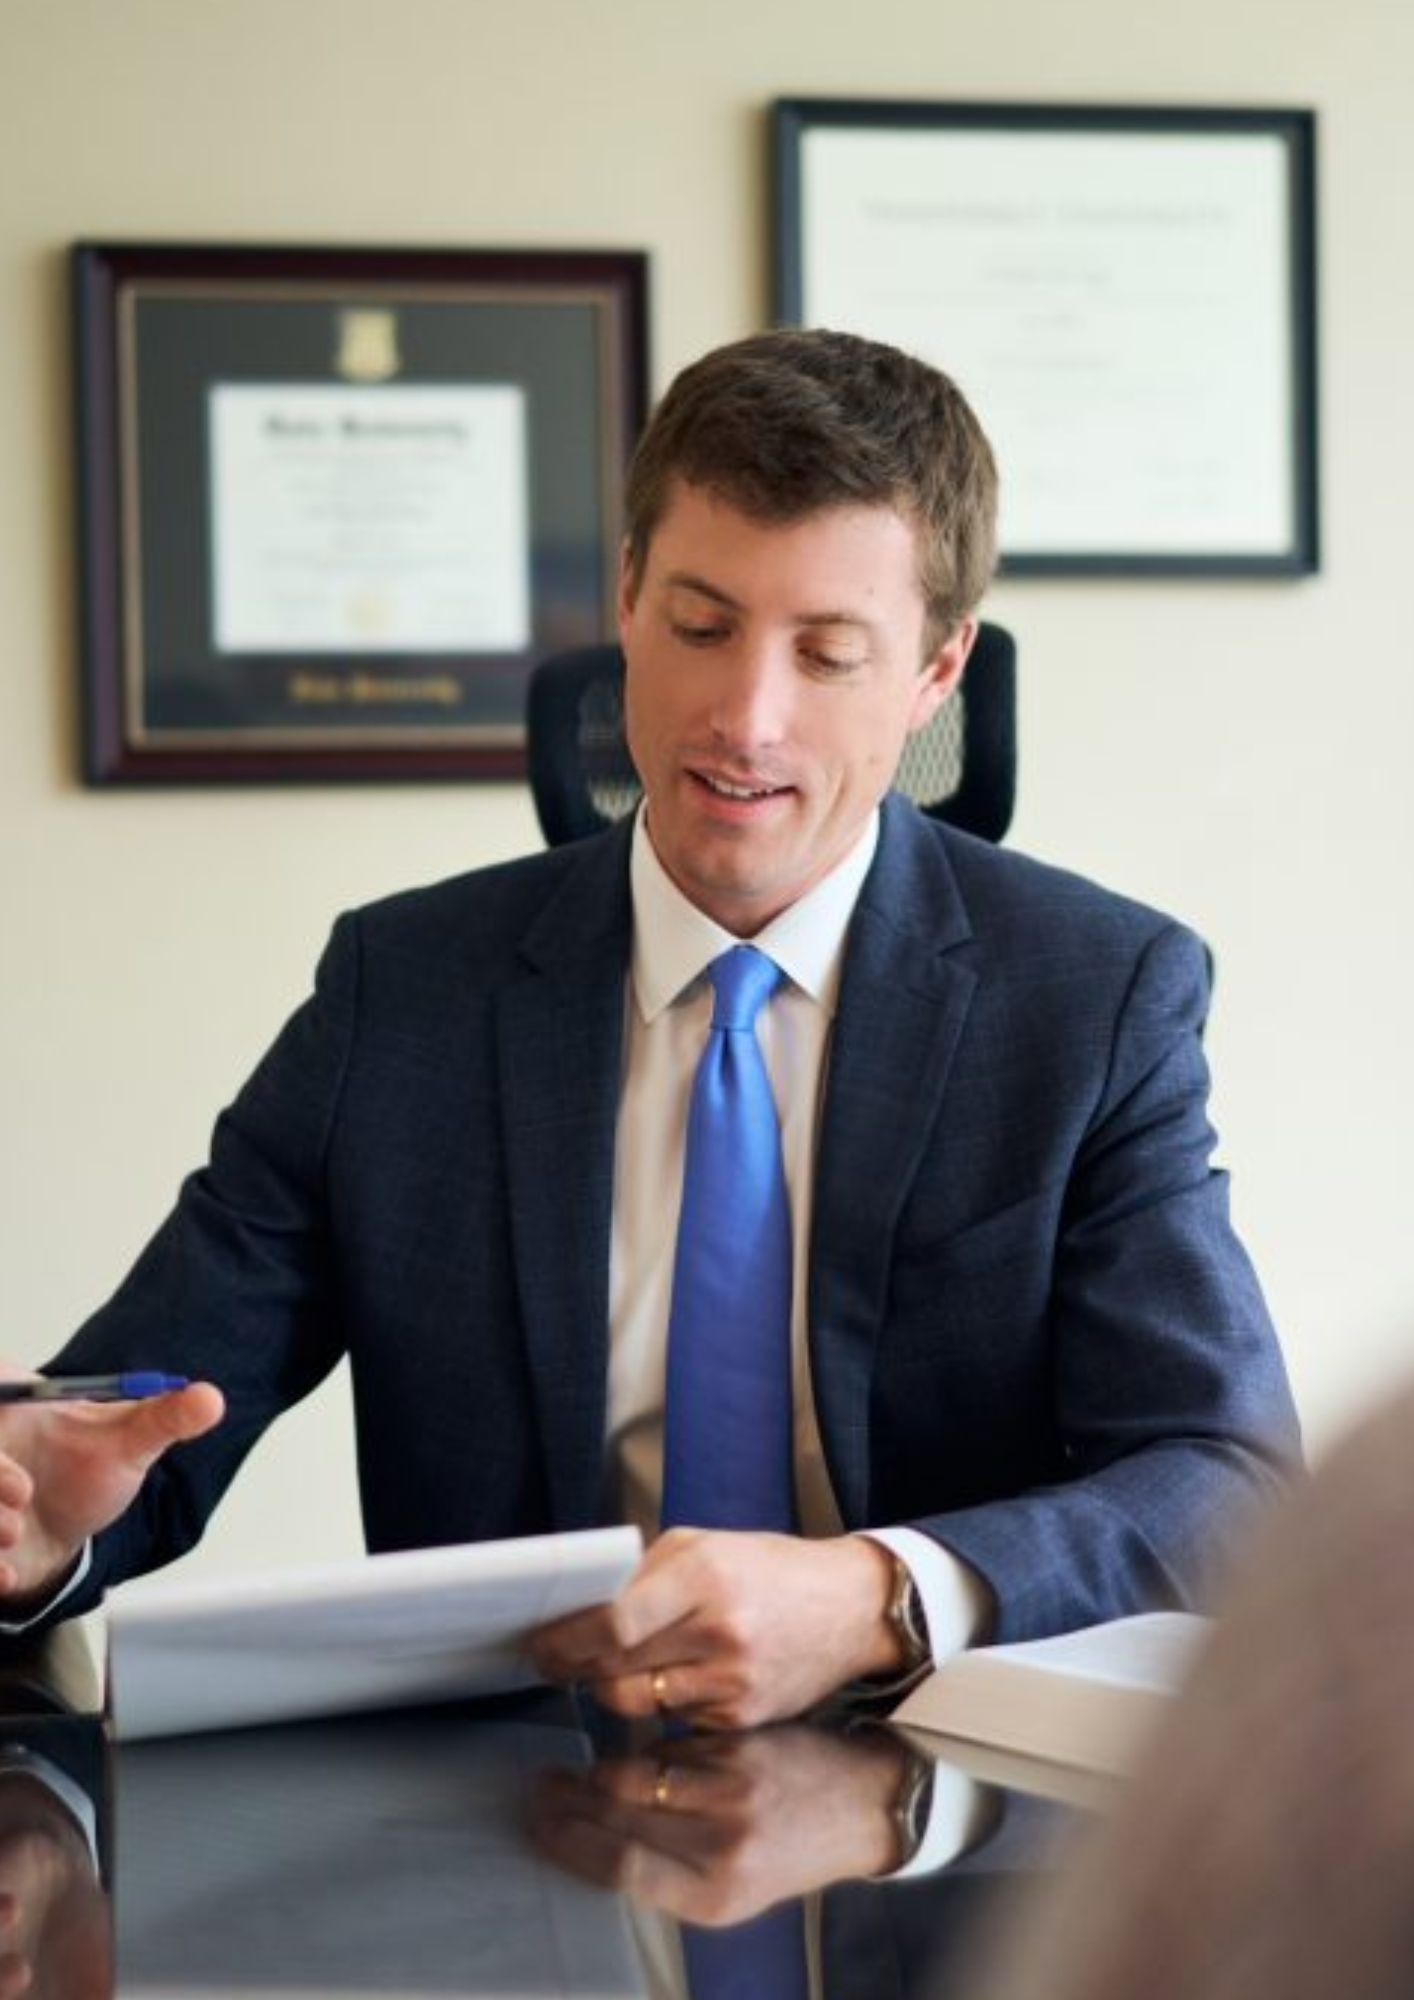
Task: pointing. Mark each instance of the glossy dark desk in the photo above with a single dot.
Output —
(494, 1850)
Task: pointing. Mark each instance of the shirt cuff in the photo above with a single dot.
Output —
(11, 1628)
(956, 1602)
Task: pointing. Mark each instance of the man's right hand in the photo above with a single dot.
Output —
(67, 1470)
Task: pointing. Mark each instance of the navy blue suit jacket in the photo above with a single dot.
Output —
(1033, 1333)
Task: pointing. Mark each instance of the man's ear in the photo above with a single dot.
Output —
(942, 673)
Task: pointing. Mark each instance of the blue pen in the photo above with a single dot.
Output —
(133, 1387)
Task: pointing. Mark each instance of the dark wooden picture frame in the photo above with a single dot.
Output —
(1127, 295)
(334, 504)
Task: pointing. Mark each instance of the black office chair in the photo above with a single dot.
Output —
(961, 768)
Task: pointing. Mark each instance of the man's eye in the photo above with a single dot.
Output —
(831, 664)
(697, 635)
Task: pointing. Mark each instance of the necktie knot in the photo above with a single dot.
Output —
(743, 980)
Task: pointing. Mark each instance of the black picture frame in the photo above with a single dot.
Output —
(1127, 294)
(254, 422)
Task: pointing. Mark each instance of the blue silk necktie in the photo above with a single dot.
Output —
(727, 1451)
(763, 1959)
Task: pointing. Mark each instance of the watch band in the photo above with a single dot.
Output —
(906, 1616)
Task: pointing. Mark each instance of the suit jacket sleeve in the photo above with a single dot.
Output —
(237, 1286)
(1170, 1403)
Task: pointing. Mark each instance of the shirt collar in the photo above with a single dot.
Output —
(674, 942)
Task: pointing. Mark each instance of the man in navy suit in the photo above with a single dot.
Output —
(1033, 1379)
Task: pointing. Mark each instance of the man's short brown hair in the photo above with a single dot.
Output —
(783, 424)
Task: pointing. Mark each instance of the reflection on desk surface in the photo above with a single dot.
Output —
(380, 1856)
(450, 1854)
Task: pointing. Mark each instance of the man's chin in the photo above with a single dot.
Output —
(742, 899)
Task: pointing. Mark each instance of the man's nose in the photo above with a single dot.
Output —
(752, 698)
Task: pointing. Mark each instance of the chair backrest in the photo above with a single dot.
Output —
(961, 768)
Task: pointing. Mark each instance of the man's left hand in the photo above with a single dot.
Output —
(730, 1630)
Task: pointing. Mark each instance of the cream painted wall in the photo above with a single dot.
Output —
(1236, 753)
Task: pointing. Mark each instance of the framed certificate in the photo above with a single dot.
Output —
(335, 504)
(1126, 296)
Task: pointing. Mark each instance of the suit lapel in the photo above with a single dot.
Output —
(560, 1041)
(903, 999)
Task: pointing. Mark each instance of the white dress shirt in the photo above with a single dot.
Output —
(669, 1011)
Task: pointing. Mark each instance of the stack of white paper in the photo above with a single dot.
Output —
(377, 1632)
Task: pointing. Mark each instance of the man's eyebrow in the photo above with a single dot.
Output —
(853, 618)
(682, 579)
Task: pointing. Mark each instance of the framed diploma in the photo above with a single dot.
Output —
(335, 504)
(1126, 296)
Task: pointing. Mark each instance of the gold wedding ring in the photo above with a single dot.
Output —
(662, 1785)
(658, 1684)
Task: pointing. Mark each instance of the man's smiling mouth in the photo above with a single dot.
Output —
(724, 788)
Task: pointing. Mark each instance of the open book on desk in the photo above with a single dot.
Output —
(388, 1631)
(1083, 1699)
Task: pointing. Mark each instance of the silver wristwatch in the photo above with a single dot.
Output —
(905, 1614)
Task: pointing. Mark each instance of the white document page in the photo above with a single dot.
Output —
(1115, 306)
(377, 1632)
(369, 520)
(1150, 1651)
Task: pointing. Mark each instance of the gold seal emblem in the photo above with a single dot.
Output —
(368, 346)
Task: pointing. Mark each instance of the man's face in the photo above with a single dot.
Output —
(774, 672)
